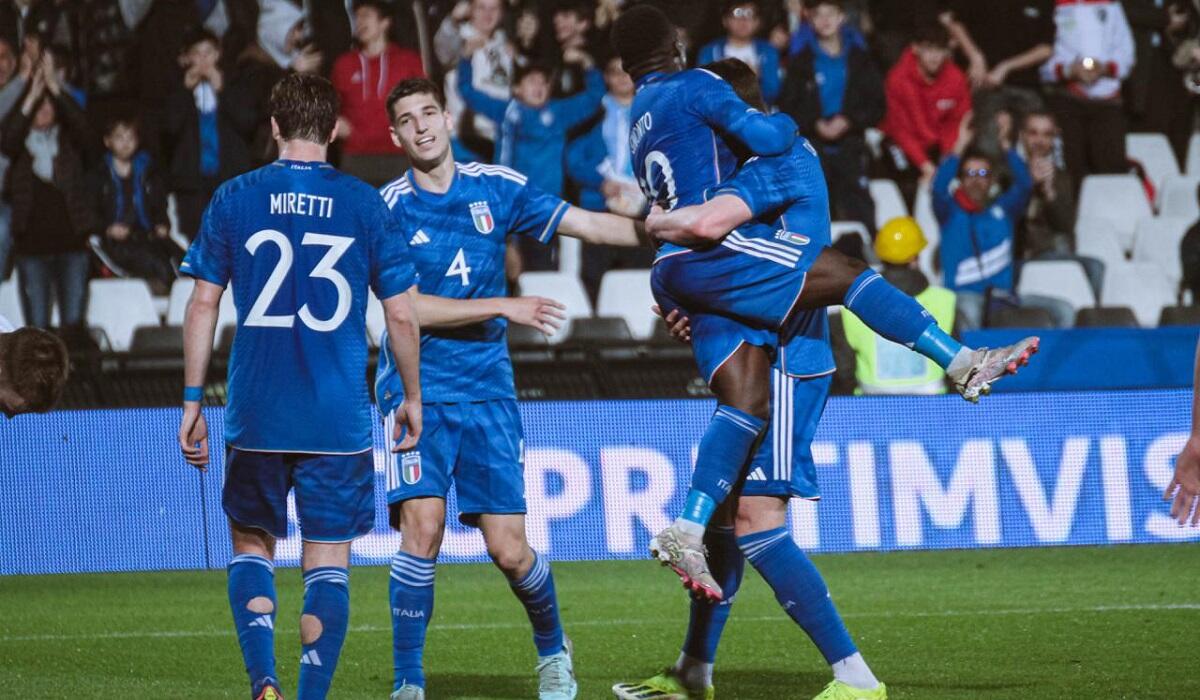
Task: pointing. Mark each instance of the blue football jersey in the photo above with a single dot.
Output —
(300, 243)
(457, 242)
(680, 123)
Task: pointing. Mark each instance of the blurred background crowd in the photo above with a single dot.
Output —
(1012, 131)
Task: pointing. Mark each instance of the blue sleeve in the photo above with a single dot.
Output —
(480, 102)
(584, 156)
(209, 257)
(392, 271)
(576, 109)
(534, 213)
(943, 199)
(708, 52)
(768, 76)
(724, 111)
(769, 185)
(1016, 197)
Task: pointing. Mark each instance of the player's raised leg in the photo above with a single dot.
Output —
(251, 579)
(410, 591)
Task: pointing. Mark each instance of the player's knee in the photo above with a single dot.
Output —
(310, 628)
(261, 605)
(423, 538)
(511, 556)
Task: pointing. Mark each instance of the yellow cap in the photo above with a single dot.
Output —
(900, 240)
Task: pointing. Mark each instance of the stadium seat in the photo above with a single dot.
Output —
(521, 335)
(570, 255)
(1106, 317)
(1119, 199)
(1193, 155)
(600, 330)
(10, 301)
(1178, 197)
(1097, 238)
(1063, 279)
(181, 291)
(1179, 316)
(874, 138)
(118, 307)
(923, 213)
(158, 340)
(1015, 317)
(626, 293)
(1157, 242)
(889, 203)
(1141, 287)
(375, 320)
(566, 289)
(1154, 152)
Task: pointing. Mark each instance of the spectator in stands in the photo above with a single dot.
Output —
(895, 24)
(14, 76)
(801, 36)
(572, 22)
(1156, 99)
(1007, 41)
(474, 29)
(927, 100)
(881, 366)
(1093, 53)
(533, 131)
(599, 164)
(977, 231)
(48, 140)
(741, 22)
(1189, 258)
(1047, 231)
(363, 78)
(834, 93)
(131, 210)
(206, 123)
(34, 366)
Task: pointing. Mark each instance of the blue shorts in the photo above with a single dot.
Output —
(479, 445)
(335, 494)
(783, 464)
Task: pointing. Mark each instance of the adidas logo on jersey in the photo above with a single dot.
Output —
(262, 621)
(311, 658)
(419, 238)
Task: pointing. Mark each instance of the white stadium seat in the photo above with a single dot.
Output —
(566, 289)
(118, 307)
(1119, 199)
(1158, 243)
(1096, 238)
(375, 319)
(1141, 287)
(1178, 197)
(1154, 152)
(10, 301)
(181, 291)
(1062, 279)
(626, 293)
(1193, 155)
(889, 203)
(927, 220)
(570, 255)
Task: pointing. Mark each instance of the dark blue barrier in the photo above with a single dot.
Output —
(107, 490)
(1078, 359)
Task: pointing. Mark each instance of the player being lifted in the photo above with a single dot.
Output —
(301, 243)
(458, 217)
(754, 519)
(685, 124)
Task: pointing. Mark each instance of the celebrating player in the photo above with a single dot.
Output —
(300, 242)
(33, 369)
(458, 217)
(759, 278)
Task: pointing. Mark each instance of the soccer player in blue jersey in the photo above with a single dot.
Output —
(301, 243)
(458, 217)
(686, 127)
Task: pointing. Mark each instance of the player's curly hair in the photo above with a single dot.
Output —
(644, 37)
(34, 363)
(305, 107)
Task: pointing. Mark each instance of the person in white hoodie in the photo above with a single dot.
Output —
(1093, 53)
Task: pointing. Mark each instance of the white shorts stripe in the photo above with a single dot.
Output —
(389, 426)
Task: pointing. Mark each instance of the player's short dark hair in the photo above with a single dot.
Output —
(199, 35)
(305, 107)
(741, 78)
(414, 86)
(522, 72)
(933, 33)
(35, 366)
(644, 37)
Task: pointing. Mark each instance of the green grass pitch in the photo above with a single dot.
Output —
(1114, 622)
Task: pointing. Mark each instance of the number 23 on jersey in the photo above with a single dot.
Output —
(324, 270)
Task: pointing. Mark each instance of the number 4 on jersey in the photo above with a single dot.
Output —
(459, 267)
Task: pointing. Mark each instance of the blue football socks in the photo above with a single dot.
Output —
(898, 317)
(410, 591)
(252, 600)
(799, 588)
(326, 598)
(535, 590)
(723, 452)
(707, 620)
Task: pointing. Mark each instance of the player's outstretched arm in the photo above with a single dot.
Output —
(702, 223)
(541, 313)
(601, 228)
(199, 328)
(404, 338)
(1184, 489)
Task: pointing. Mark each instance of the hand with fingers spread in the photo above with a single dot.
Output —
(193, 436)
(409, 422)
(1184, 489)
(546, 315)
(678, 324)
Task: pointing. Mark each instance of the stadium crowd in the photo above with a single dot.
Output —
(119, 118)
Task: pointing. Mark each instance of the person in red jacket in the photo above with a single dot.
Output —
(363, 78)
(927, 98)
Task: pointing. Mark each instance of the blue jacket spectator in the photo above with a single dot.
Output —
(533, 128)
(741, 22)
